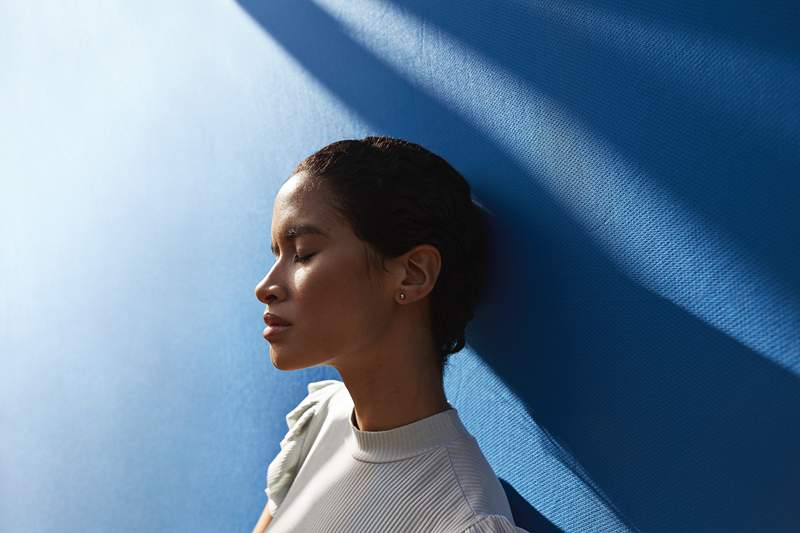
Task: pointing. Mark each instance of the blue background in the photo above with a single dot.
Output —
(636, 366)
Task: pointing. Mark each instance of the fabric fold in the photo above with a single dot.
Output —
(297, 440)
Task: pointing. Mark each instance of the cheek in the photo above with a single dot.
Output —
(314, 286)
(337, 303)
(329, 294)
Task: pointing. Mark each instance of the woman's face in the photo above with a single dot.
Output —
(319, 284)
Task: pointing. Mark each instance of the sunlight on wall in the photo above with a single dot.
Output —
(724, 79)
(691, 267)
(127, 147)
(560, 473)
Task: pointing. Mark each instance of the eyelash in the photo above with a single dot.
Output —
(304, 259)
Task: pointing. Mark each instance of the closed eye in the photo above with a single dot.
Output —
(303, 259)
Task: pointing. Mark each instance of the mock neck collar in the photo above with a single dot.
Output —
(405, 441)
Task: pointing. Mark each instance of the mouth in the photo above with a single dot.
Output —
(275, 320)
(273, 331)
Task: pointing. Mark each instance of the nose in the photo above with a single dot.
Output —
(267, 291)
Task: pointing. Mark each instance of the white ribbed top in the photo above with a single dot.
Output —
(427, 476)
(406, 441)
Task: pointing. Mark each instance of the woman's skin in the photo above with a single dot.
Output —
(349, 315)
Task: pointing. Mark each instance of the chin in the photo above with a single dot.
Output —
(282, 359)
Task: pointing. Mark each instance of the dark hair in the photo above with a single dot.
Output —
(395, 195)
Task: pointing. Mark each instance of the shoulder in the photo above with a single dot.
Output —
(478, 481)
(492, 523)
(303, 425)
(318, 392)
(324, 388)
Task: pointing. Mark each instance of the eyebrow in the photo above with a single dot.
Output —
(296, 231)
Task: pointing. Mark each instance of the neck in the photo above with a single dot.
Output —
(393, 388)
(384, 415)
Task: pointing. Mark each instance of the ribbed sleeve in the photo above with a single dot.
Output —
(493, 523)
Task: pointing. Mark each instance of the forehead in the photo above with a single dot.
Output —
(300, 210)
(296, 200)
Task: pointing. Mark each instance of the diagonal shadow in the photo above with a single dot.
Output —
(769, 26)
(628, 213)
(525, 514)
(719, 162)
(661, 410)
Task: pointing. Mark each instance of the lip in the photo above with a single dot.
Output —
(270, 332)
(271, 319)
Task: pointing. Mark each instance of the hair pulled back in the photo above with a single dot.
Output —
(395, 195)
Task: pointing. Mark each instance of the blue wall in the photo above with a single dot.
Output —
(636, 366)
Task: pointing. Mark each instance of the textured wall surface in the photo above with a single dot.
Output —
(636, 366)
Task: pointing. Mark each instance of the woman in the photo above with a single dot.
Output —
(380, 258)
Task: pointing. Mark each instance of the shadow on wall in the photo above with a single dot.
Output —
(681, 424)
(524, 513)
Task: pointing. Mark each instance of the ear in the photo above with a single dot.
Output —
(418, 269)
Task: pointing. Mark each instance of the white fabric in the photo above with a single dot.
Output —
(428, 476)
(295, 444)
